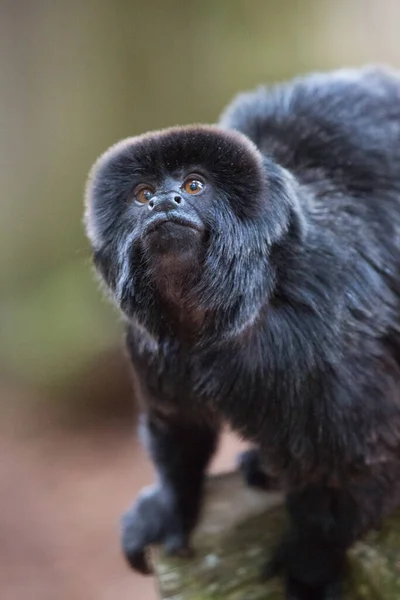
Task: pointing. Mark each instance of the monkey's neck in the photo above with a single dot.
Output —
(173, 281)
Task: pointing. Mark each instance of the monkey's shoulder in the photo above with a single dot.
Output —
(341, 122)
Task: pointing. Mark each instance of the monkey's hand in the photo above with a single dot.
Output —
(155, 518)
(253, 472)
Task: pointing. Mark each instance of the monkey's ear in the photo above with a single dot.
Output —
(287, 204)
(297, 229)
(297, 204)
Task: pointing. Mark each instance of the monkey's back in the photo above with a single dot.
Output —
(339, 134)
(343, 127)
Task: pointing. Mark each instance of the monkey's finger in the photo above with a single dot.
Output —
(139, 561)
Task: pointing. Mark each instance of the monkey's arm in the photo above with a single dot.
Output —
(180, 444)
(167, 512)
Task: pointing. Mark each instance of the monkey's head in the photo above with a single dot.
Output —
(181, 223)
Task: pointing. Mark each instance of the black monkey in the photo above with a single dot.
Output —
(257, 264)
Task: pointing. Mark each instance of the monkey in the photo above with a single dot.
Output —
(256, 263)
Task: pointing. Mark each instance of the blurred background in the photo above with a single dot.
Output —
(75, 77)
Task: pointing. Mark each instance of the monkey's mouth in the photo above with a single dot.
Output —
(165, 223)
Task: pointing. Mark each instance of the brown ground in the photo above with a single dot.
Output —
(61, 495)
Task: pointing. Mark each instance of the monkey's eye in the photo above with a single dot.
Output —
(143, 193)
(193, 185)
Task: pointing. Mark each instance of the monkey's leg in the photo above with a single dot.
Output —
(167, 512)
(312, 557)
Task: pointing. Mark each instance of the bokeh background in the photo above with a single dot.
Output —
(75, 77)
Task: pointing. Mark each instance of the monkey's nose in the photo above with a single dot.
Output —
(165, 203)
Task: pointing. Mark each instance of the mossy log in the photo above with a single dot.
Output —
(236, 535)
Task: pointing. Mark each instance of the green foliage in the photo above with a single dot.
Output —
(54, 328)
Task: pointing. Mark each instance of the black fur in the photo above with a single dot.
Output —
(280, 317)
(253, 471)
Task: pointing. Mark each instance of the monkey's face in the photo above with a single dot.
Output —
(185, 218)
(169, 202)
(169, 214)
